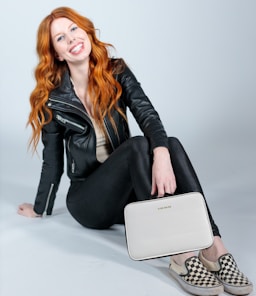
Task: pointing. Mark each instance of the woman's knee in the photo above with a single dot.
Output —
(175, 145)
(139, 144)
(173, 141)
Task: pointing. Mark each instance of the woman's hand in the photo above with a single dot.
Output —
(163, 178)
(27, 210)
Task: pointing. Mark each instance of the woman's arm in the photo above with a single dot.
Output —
(52, 170)
(142, 109)
(163, 178)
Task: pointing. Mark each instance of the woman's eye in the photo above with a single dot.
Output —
(74, 28)
(60, 38)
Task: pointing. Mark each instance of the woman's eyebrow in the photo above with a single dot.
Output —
(62, 32)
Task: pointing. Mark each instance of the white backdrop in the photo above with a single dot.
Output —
(195, 60)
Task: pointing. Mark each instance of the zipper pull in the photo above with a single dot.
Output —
(60, 118)
(73, 167)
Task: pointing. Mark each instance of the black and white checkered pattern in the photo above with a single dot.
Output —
(229, 272)
(198, 275)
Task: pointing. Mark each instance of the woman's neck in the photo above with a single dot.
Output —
(79, 78)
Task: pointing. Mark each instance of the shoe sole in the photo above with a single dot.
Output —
(237, 290)
(196, 290)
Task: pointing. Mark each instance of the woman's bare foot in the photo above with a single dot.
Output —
(212, 253)
(181, 258)
(216, 250)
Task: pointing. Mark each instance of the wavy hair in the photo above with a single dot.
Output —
(104, 89)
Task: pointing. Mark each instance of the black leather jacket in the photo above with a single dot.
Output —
(71, 127)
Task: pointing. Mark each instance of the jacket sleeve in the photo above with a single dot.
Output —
(52, 168)
(142, 109)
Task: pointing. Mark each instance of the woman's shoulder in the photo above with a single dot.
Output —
(122, 72)
(117, 65)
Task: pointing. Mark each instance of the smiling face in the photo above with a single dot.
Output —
(70, 42)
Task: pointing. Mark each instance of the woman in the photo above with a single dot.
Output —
(80, 100)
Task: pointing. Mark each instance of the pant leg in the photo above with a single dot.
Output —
(186, 178)
(99, 200)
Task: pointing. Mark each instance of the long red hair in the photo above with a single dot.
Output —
(104, 89)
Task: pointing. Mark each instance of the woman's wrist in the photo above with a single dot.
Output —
(37, 215)
(160, 151)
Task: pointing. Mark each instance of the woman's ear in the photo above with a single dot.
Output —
(58, 57)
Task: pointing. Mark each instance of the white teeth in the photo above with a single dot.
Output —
(77, 48)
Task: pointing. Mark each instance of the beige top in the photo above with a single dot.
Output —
(102, 147)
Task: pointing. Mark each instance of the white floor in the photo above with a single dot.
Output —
(55, 256)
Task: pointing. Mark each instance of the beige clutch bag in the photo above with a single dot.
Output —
(166, 226)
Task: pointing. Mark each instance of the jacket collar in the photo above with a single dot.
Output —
(66, 91)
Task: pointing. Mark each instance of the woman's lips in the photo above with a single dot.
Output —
(76, 48)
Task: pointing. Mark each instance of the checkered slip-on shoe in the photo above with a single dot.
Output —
(195, 278)
(227, 272)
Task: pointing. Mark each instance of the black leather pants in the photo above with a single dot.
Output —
(98, 202)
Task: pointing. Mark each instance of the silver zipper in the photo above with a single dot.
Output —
(49, 195)
(64, 120)
(111, 142)
(65, 103)
(73, 167)
(68, 145)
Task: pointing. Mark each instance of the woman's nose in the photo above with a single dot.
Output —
(71, 39)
